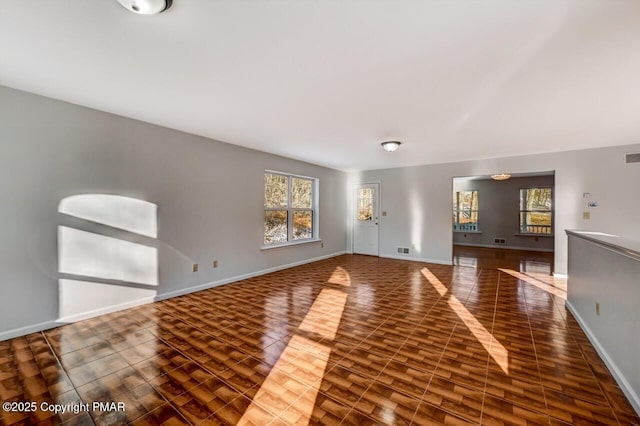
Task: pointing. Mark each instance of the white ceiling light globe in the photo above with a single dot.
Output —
(390, 146)
(146, 7)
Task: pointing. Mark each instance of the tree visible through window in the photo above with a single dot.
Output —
(535, 211)
(365, 204)
(289, 208)
(465, 210)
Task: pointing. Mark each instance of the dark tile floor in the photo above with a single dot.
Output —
(350, 340)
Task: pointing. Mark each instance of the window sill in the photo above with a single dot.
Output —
(520, 234)
(289, 244)
(455, 231)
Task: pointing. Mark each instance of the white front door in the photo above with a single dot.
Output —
(365, 218)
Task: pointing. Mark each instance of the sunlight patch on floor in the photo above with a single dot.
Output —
(280, 390)
(340, 276)
(303, 358)
(497, 351)
(556, 291)
(321, 319)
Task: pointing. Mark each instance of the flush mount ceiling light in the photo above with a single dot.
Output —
(501, 176)
(146, 7)
(390, 146)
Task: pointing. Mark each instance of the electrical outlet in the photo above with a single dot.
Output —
(215, 263)
(195, 267)
(586, 215)
(597, 308)
(321, 245)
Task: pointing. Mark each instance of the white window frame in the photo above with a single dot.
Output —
(315, 207)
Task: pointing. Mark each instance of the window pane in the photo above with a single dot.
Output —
(535, 222)
(468, 217)
(365, 203)
(301, 193)
(468, 200)
(535, 199)
(275, 191)
(302, 224)
(465, 210)
(275, 226)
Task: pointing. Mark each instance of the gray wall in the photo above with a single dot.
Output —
(418, 199)
(601, 275)
(209, 196)
(499, 213)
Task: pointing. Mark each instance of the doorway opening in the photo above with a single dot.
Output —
(506, 223)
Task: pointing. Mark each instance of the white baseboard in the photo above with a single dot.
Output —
(21, 331)
(500, 246)
(633, 397)
(212, 284)
(104, 311)
(418, 259)
(561, 276)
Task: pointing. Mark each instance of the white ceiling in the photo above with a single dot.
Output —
(326, 81)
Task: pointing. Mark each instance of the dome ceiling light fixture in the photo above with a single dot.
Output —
(146, 7)
(501, 176)
(390, 146)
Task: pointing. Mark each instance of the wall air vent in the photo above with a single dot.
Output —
(633, 158)
(403, 250)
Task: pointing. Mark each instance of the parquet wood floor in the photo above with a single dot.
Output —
(351, 340)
